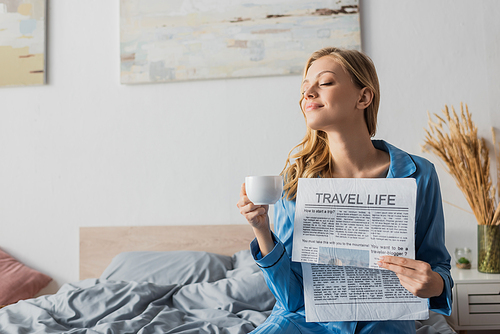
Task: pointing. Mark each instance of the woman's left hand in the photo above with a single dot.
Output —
(416, 276)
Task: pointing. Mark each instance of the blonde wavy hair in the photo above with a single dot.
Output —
(313, 158)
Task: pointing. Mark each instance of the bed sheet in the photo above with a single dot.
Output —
(160, 292)
(232, 298)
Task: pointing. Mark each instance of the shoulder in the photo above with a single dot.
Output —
(404, 164)
(426, 177)
(424, 166)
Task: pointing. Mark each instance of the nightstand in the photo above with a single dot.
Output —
(476, 300)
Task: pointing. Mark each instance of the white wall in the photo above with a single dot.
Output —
(85, 150)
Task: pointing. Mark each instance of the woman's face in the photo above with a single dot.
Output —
(330, 98)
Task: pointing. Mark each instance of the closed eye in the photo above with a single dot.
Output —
(326, 84)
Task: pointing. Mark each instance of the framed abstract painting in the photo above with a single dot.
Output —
(167, 40)
(22, 42)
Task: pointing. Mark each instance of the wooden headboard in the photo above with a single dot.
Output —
(99, 245)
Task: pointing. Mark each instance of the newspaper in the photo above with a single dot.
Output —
(342, 227)
(344, 293)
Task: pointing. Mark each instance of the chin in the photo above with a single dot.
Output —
(315, 126)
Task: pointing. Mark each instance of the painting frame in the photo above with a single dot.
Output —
(23, 42)
(165, 41)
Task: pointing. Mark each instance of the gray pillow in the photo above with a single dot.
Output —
(243, 264)
(176, 267)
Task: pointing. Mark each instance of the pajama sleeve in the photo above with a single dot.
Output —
(430, 238)
(283, 277)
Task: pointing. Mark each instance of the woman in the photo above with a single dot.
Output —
(340, 99)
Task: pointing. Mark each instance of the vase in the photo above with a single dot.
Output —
(463, 258)
(488, 244)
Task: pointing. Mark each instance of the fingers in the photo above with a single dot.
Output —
(400, 261)
(404, 266)
(251, 211)
(244, 200)
(416, 276)
(256, 215)
(432, 286)
(245, 204)
(408, 270)
(398, 269)
(247, 207)
(399, 265)
(243, 197)
(407, 282)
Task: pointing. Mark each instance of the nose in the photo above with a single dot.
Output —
(310, 92)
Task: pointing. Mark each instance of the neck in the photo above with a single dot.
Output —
(354, 155)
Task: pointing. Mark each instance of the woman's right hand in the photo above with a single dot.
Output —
(255, 214)
(259, 219)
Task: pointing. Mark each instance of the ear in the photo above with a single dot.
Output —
(365, 98)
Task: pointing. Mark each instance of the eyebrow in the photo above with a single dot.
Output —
(320, 74)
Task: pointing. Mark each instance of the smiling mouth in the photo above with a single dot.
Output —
(313, 106)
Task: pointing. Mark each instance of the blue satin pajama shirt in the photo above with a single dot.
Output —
(284, 277)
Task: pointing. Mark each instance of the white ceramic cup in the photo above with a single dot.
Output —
(263, 190)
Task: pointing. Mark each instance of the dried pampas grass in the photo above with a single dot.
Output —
(467, 160)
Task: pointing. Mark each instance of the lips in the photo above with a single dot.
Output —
(312, 106)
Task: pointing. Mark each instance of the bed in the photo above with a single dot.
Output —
(159, 279)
